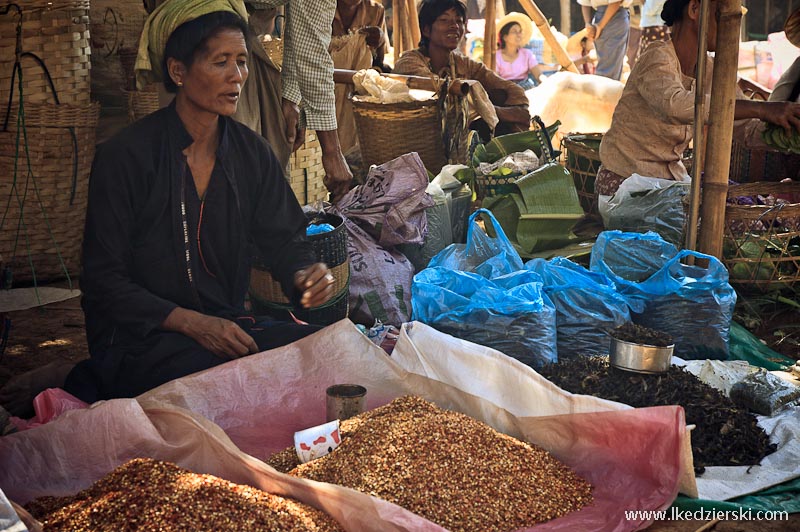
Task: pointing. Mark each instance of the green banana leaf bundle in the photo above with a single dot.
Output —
(776, 137)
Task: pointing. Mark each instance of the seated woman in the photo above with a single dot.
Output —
(175, 202)
(652, 123)
(514, 62)
(442, 24)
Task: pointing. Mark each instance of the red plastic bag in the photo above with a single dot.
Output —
(48, 405)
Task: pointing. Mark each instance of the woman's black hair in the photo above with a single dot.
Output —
(673, 10)
(503, 32)
(190, 38)
(429, 11)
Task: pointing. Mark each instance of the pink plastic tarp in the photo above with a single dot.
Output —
(203, 422)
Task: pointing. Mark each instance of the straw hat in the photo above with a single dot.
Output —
(574, 48)
(521, 19)
(792, 28)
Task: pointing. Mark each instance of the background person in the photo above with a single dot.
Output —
(607, 24)
(653, 121)
(175, 202)
(514, 62)
(787, 89)
(442, 24)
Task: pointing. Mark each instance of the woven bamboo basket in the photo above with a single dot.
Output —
(53, 195)
(142, 103)
(387, 131)
(306, 173)
(267, 295)
(57, 31)
(761, 248)
(115, 27)
(582, 154)
(751, 165)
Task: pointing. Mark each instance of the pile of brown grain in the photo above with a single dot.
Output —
(447, 467)
(146, 494)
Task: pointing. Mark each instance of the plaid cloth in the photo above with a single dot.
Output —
(307, 73)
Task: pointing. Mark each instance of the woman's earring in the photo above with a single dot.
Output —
(179, 83)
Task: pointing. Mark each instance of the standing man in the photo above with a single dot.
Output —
(608, 24)
(308, 88)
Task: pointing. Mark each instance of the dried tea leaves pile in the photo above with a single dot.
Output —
(725, 434)
(146, 494)
(637, 334)
(447, 467)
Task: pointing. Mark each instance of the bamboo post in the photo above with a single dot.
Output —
(396, 39)
(537, 16)
(566, 15)
(413, 19)
(490, 33)
(720, 134)
(408, 38)
(699, 127)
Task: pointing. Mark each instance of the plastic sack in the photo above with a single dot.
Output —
(633, 457)
(486, 256)
(692, 304)
(48, 405)
(647, 204)
(509, 313)
(390, 205)
(587, 306)
(380, 280)
(764, 393)
(628, 259)
(440, 231)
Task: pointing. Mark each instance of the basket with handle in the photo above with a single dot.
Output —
(538, 139)
(582, 154)
(267, 295)
(388, 130)
(761, 242)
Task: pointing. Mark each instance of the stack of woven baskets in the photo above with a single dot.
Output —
(47, 144)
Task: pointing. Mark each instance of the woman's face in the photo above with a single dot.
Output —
(214, 81)
(514, 36)
(446, 31)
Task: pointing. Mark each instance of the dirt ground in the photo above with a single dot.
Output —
(56, 332)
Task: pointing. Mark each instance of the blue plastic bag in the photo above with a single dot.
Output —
(691, 303)
(510, 313)
(628, 259)
(587, 306)
(486, 256)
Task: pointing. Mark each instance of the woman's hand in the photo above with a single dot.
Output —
(591, 32)
(338, 176)
(222, 337)
(374, 36)
(784, 114)
(316, 283)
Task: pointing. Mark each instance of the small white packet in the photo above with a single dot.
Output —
(315, 442)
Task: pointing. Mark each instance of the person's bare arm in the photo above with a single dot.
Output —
(222, 337)
(588, 13)
(784, 114)
(338, 176)
(611, 10)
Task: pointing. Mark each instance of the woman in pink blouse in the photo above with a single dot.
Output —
(514, 62)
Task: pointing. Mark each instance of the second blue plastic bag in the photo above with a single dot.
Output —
(510, 313)
(482, 254)
(587, 306)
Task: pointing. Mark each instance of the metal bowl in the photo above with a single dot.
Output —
(640, 358)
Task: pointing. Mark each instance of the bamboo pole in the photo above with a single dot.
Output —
(457, 87)
(566, 17)
(490, 33)
(537, 16)
(699, 126)
(408, 38)
(413, 19)
(396, 39)
(720, 134)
